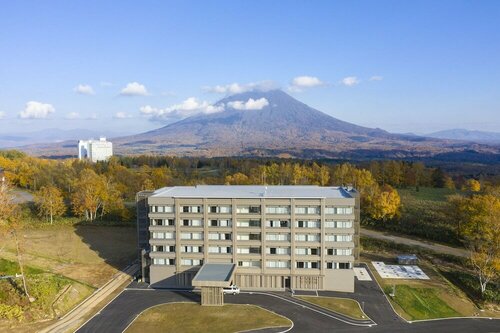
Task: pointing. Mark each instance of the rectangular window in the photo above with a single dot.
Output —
(192, 235)
(248, 223)
(220, 209)
(249, 263)
(278, 237)
(278, 250)
(191, 249)
(307, 237)
(284, 210)
(344, 238)
(219, 249)
(344, 265)
(338, 238)
(162, 261)
(191, 209)
(314, 210)
(277, 264)
(191, 262)
(307, 264)
(248, 210)
(306, 251)
(308, 224)
(329, 210)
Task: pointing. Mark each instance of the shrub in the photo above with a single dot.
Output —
(10, 312)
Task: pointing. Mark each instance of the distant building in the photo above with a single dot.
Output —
(95, 150)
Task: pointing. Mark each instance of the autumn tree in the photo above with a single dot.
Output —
(50, 202)
(237, 179)
(455, 210)
(472, 185)
(89, 195)
(10, 224)
(482, 234)
(382, 203)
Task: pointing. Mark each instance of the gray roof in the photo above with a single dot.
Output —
(215, 272)
(252, 191)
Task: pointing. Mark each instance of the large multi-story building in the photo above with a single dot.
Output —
(297, 237)
(95, 150)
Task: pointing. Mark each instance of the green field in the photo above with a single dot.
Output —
(421, 303)
(344, 306)
(426, 193)
(423, 214)
(194, 318)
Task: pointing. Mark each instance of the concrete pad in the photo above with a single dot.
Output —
(410, 272)
(362, 274)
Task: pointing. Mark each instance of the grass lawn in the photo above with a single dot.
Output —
(54, 294)
(89, 254)
(424, 299)
(344, 306)
(191, 317)
(64, 264)
(426, 193)
(421, 303)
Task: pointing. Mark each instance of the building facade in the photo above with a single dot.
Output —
(297, 237)
(95, 150)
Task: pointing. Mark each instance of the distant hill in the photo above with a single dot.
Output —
(48, 136)
(284, 127)
(466, 135)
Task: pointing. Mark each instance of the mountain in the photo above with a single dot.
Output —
(285, 127)
(466, 135)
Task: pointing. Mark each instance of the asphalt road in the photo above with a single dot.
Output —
(125, 308)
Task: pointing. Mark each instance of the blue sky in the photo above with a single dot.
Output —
(402, 66)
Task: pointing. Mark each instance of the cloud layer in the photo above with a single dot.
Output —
(300, 83)
(122, 115)
(134, 89)
(350, 81)
(188, 107)
(36, 110)
(251, 104)
(238, 88)
(72, 115)
(2, 114)
(84, 89)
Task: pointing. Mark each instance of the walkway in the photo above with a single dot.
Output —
(76, 317)
(413, 242)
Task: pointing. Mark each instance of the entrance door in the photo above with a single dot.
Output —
(287, 282)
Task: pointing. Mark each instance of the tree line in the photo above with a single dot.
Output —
(101, 190)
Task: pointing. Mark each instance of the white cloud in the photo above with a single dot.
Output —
(36, 110)
(84, 89)
(376, 78)
(300, 83)
(93, 116)
(251, 104)
(188, 107)
(350, 81)
(238, 88)
(72, 115)
(122, 115)
(134, 89)
(2, 114)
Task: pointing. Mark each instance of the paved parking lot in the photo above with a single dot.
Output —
(124, 309)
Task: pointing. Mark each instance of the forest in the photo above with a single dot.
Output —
(401, 196)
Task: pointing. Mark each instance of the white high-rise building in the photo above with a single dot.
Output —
(95, 150)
